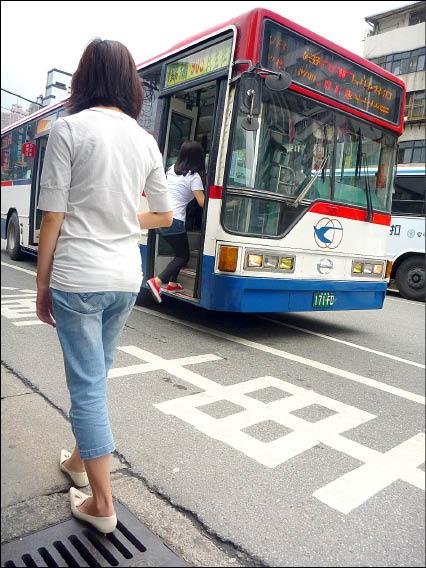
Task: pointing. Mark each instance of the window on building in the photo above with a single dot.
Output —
(402, 63)
(411, 152)
(416, 18)
(415, 107)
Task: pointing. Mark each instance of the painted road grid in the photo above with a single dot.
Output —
(290, 439)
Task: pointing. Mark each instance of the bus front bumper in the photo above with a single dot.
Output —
(253, 294)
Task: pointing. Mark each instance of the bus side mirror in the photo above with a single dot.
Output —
(279, 82)
(250, 99)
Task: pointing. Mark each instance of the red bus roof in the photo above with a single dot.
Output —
(248, 46)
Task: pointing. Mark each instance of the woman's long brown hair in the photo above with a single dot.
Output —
(106, 76)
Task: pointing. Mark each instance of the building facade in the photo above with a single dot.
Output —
(57, 87)
(396, 42)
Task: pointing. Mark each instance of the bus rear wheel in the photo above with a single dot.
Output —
(13, 244)
(410, 279)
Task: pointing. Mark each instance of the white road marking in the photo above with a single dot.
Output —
(8, 288)
(349, 343)
(355, 487)
(345, 493)
(172, 366)
(19, 268)
(403, 301)
(33, 294)
(30, 322)
(291, 357)
(20, 306)
(279, 353)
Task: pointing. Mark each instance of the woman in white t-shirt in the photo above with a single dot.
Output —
(98, 161)
(185, 184)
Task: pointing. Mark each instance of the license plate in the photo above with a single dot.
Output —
(323, 300)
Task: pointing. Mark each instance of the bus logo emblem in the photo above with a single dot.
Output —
(325, 266)
(328, 233)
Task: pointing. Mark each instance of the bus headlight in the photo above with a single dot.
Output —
(228, 259)
(287, 263)
(368, 268)
(254, 260)
(268, 261)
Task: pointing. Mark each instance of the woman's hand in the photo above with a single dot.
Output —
(44, 307)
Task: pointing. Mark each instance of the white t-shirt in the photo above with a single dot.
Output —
(181, 190)
(97, 164)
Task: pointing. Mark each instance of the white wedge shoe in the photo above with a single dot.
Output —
(79, 479)
(104, 525)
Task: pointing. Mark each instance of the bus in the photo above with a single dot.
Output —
(300, 138)
(406, 241)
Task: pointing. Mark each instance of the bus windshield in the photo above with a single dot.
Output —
(305, 149)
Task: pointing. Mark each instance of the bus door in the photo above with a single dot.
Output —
(191, 117)
(35, 214)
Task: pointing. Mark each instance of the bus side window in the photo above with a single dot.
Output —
(152, 106)
(14, 165)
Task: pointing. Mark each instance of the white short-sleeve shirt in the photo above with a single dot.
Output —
(97, 164)
(181, 190)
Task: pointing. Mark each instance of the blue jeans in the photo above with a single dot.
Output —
(177, 227)
(89, 326)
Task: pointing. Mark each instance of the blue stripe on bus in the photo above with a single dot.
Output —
(253, 294)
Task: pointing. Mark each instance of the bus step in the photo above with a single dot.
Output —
(189, 272)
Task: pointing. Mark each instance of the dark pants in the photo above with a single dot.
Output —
(180, 246)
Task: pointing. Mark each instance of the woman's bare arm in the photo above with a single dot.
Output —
(151, 220)
(199, 196)
(49, 234)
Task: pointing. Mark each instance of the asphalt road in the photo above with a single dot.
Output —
(296, 438)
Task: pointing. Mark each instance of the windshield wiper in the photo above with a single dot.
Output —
(369, 217)
(310, 183)
(361, 160)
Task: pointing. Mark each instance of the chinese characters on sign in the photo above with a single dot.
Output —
(395, 230)
(29, 150)
(207, 61)
(322, 70)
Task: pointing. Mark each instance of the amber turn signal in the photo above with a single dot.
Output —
(228, 258)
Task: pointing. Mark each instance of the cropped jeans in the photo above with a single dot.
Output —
(89, 326)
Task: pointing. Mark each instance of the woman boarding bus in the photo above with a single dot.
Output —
(300, 137)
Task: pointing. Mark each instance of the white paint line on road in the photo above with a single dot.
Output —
(279, 353)
(30, 322)
(291, 357)
(403, 301)
(19, 268)
(355, 487)
(32, 295)
(349, 343)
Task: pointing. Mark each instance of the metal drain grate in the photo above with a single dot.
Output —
(75, 544)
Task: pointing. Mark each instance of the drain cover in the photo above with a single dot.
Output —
(76, 544)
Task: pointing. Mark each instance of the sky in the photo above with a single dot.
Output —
(38, 36)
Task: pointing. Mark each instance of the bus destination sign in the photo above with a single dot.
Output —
(208, 60)
(322, 70)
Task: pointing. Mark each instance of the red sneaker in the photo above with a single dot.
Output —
(174, 287)
(155, 289)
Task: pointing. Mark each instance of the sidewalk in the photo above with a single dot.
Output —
(34, 493)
